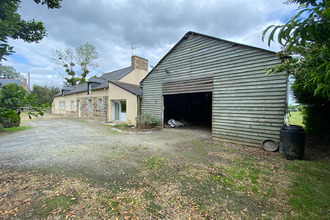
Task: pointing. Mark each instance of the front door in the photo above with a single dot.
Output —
(119, 110)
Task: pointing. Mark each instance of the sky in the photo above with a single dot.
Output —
(154, 26)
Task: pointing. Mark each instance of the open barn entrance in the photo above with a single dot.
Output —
(193, 108)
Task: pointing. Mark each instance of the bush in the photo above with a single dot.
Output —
(9, 119)
(316, 119)
(146, 121)
(14, 99)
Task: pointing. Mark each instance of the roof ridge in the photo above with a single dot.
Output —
(117, 70)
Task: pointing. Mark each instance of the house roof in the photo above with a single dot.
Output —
(95, 79)
(73, 89)
(118, 74)
(134, 89)
(102, 82)
(6, 81)
(204, 35)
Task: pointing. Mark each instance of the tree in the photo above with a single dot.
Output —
(86, 55)
(13, 100)
(77, 63)
(12, 26)
(9, 72)
(44, 94)
(305, 40)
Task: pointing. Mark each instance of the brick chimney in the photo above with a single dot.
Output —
(139, 63)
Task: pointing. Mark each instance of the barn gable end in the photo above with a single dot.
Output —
(247, 105)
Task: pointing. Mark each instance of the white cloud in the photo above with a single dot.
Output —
(155, 26)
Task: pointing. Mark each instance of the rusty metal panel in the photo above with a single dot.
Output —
(248, 105)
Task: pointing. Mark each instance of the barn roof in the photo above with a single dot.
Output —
(203, 35)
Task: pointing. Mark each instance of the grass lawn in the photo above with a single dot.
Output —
(197, 180)
(13, 129)
(296, 118)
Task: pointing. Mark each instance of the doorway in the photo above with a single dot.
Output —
(79, 108)
(193, 108)
(119, 111)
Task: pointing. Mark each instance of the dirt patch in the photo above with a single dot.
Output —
(70, 168)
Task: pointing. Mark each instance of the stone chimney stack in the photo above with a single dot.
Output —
(139, 63)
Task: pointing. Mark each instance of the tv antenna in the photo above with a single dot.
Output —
(131, 44)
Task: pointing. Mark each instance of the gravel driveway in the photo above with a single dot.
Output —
(88, 147)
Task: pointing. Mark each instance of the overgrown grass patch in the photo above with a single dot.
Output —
(310, 189)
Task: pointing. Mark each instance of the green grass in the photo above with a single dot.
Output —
(60, 204)
(154, 163)
(296, 118)
(14, 129)
(309, 192)
(121, 125)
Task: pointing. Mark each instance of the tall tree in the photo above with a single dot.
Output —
(86, 55)
(9, 72)
(65, 59)
(44, 94)
(76, 63)
(12, 26)
(305, 39)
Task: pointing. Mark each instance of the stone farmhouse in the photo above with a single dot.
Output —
(114, 96)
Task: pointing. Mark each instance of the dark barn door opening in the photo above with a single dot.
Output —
(194, 108)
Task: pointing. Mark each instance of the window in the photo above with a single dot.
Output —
(100, 103)
(60, 105)
(123, 106)
(89, 89)
(63, 105)
(90, 105)
(72, 105)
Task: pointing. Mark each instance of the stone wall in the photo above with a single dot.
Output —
(96, 113)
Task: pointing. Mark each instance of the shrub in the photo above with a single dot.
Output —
(317, 120)
(146, 121)
(10, 119)
(14, 99)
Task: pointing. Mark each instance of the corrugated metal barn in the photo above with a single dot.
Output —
(221, 84)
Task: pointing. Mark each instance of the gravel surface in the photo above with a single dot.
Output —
(88, 147)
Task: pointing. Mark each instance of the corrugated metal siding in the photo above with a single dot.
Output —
(248, 105)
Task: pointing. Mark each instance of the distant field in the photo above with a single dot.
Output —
(296, 118)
